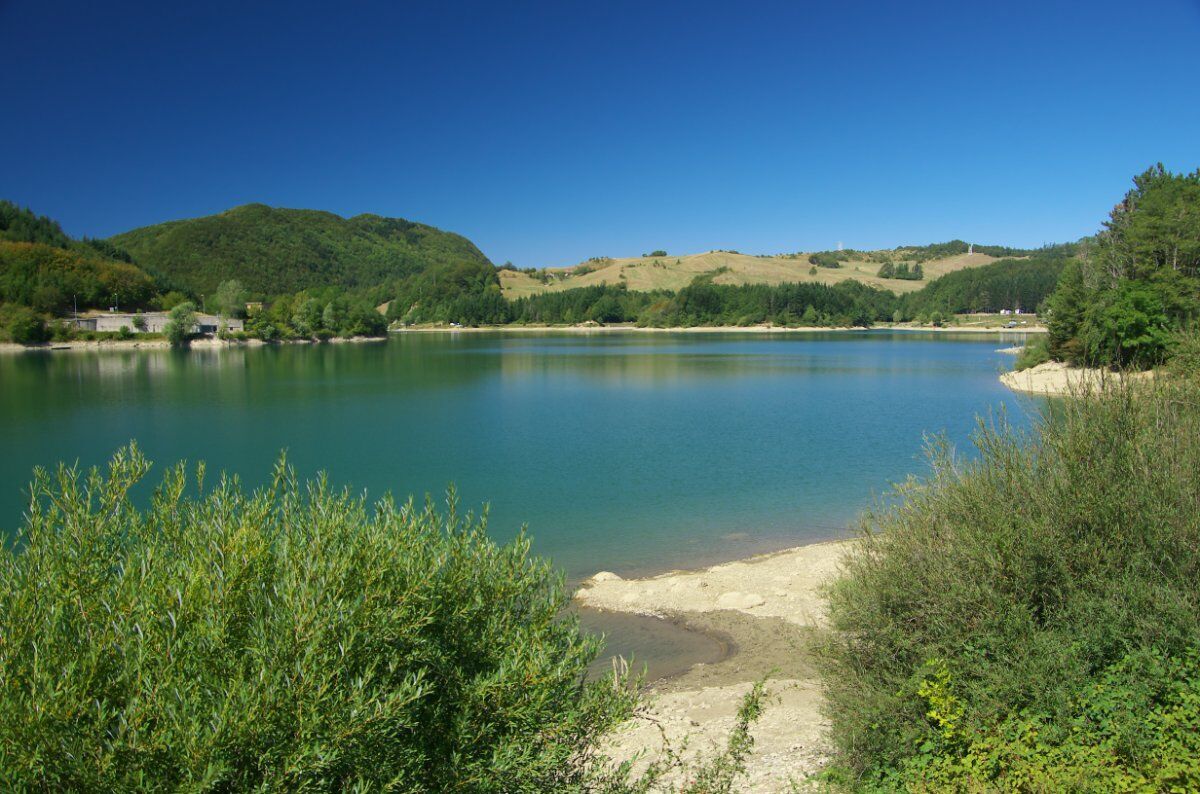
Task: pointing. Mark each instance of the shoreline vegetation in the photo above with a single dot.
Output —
(1027, 620)
(208, 343)
(203, 343)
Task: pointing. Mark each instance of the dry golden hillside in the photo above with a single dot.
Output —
(673, 273)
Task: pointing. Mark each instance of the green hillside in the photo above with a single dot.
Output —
(51, 279)
(44, 269)
(273, 250)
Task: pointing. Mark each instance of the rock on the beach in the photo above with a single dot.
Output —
(735, 600)
(606, 576)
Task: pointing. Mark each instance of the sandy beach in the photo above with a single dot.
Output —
(768, 607)
(1055, 379)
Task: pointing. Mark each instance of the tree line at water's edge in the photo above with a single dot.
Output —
(344, 268)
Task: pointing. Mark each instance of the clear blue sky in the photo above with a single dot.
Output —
(550, 132)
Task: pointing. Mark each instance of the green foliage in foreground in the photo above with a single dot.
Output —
(1029, 620)
(291, 639)
(1135, 729)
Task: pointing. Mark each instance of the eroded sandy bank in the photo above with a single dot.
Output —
(769, 606)
(1055, 379)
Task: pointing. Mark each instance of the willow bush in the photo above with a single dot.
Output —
(291, 639)
(1029, 620)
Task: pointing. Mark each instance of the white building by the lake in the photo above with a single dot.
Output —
(154, 322)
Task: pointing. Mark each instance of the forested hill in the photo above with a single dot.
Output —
(274, 250)
(44, 269)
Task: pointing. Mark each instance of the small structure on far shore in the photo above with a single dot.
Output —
(152, 322)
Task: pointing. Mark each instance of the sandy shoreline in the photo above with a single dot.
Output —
(714, 329)
(768, 606)
(1055, 379)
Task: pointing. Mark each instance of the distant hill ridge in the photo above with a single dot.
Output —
(413, 267)
(275, 250)
(661, 271)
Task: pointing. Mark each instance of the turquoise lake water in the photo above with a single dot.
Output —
(622, 451)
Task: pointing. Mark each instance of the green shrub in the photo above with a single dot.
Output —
(291, 639)
(22, 325)
(62, 331)
(1137, 728)
(180, 322)
(831, 259)
(988, 610)
(1185, 353)
(1033, 353)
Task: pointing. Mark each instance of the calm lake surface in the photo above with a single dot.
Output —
(629, 452)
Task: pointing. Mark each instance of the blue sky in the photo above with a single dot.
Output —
(551, 132)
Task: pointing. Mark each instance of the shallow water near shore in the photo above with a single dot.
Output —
(655, 647)
(627, 452)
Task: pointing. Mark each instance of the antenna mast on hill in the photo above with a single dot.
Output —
(839, 245)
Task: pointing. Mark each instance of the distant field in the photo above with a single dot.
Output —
(676, 272)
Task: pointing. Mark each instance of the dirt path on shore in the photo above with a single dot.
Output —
(769, 607)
